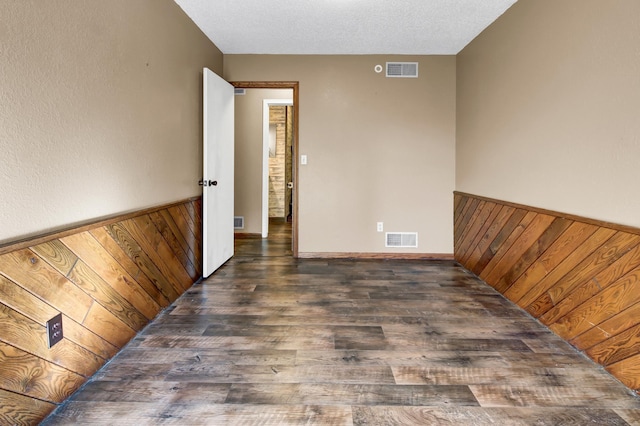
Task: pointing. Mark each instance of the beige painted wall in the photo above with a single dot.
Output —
(547, 111)
(379, 149)
(248, 154)
(100, 110)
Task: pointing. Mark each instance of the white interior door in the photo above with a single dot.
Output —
(217, 191)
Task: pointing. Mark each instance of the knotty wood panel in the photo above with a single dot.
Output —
(33, 274)
(29, 375)
(579, 276)
(108, 280)
(32, 307)
(17, 409)
(23, 333)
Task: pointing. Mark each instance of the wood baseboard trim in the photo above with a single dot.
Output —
(384, 256)
(77, 228)
(244, 235)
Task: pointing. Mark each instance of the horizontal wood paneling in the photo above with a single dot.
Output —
(108, 280)
(578, 276)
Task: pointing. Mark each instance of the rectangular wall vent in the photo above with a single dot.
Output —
(239, 92)
(238, 222)
(402, 69)
(401, 239)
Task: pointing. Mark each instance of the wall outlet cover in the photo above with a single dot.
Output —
(54, 330)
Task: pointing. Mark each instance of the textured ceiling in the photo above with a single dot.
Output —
(416, 27)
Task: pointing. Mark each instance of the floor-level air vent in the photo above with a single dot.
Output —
(401, 239)
(402, 69)
(239, 92)
(238, 222)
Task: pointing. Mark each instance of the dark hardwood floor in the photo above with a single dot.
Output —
(273, 340)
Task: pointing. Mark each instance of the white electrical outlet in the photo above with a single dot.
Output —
(380, 227)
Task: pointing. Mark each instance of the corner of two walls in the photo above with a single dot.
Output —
(547, 99)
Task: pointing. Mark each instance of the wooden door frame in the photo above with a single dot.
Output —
(294, 158)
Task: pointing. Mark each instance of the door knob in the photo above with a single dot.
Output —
(208, 182)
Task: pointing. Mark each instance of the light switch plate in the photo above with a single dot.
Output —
(303, 159)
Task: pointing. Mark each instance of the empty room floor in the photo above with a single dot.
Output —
(269, 339)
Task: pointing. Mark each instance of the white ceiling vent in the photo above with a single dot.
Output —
(239, 92)
(402, 69)
(238, 222)
(401, 239)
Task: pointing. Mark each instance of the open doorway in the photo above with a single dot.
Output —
(257, 217)
(277, 162)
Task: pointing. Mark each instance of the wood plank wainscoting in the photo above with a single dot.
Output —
(108, 279)
(580, 277)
